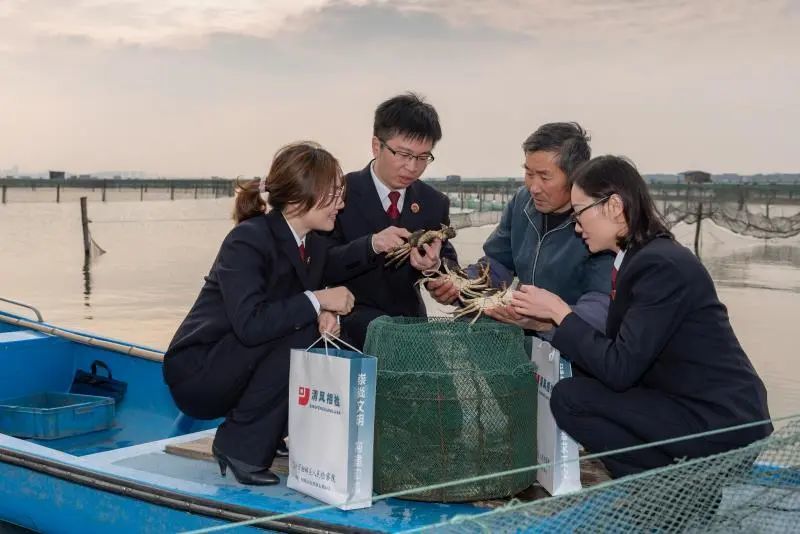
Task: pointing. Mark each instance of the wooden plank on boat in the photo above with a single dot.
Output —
(593, 472)
(200, 449)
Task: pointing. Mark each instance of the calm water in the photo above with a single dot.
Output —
(159, 251)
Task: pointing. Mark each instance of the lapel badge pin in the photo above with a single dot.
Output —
(414, 208)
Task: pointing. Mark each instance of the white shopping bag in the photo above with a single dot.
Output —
(331, 424)
(554, 445)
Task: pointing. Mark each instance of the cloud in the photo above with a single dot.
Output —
(199, 87)
(194, 24)
(190, 23)
(176, 23)
(590, 17)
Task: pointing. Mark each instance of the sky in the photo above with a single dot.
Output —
(215, 87)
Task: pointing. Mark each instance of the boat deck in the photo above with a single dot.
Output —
(592, 471)
(149, 463)
(127, 467)
(185, 464)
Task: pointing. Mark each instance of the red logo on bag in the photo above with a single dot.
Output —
(305, 394)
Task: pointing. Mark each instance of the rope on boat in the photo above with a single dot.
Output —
(780, 451)
(85, 339)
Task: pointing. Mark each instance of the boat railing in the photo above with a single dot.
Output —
(83, 338)
(23, 305)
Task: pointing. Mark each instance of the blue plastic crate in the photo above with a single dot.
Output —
(55, 415)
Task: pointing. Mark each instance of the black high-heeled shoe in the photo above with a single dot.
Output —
(262, 477)
(283, 450)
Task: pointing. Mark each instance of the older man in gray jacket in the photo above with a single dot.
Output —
(536, 240)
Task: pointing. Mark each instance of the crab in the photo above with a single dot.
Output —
(479, 301)
(398, 255)
(459, 278)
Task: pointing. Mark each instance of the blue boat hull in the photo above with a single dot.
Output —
(122, 479)
(43, 501)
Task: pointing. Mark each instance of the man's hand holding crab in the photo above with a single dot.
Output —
(443, 290)
(389, 239)
(430, 260)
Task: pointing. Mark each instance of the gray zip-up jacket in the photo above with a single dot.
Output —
(557, 260)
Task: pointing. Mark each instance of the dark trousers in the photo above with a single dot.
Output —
(249, 386)
(354, 324)
(602, 420)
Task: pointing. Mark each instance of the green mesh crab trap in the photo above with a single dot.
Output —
(454, 401)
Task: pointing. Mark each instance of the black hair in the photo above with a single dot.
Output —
(604, 176)
(567, 139)
(407, 115)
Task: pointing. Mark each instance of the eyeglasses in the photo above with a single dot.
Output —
(576, 215)
(407, 157)
(338, 192)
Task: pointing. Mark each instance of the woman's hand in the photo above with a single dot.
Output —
(328, 324)
(507, 314)
(338, 300)
(539, 303)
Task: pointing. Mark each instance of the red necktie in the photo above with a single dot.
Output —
(302, 249)
(392, 210)
(613, 282)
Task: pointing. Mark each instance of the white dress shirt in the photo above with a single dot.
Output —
(618, 259)
(383, 191)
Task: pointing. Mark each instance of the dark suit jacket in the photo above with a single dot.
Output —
(389, 289)
(668, 331)
(255, 291)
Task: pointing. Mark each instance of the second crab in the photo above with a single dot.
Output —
(398, 255)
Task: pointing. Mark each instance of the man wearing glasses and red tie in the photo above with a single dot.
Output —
(387, 199)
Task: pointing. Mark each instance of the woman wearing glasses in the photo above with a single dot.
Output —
(262, 297)
(668, 363)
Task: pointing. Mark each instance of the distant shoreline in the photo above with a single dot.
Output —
(785, 179)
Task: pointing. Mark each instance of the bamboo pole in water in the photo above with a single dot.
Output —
(697, 228)
(85, 227)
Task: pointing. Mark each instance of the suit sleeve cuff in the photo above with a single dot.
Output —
(371, 253)
(568, 334)
(313, 298)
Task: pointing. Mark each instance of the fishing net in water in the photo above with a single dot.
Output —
(752, 489)
(95, 249)
(736, 218)
(454, 401)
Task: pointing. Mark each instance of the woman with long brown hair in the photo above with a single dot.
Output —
(262, 297)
